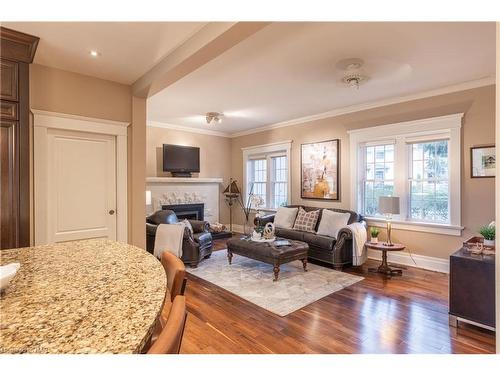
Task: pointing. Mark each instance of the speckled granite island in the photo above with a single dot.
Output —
(93, 296)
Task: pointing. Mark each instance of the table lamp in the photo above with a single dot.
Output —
(388, 206)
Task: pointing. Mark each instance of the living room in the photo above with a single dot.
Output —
(229, 184)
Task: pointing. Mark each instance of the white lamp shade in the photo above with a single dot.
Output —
(388, 205)
(148, 197)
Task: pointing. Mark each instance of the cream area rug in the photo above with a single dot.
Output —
(253, 280)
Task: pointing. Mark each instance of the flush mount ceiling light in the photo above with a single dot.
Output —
(353, 75)
(94, 53)
(214, 117)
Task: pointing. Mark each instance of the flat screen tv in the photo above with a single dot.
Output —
(181, 161)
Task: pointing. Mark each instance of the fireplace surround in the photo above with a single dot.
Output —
(190, 211)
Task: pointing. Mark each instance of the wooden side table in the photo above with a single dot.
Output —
(384, 268)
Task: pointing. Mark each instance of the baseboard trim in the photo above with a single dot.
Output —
(422, 261)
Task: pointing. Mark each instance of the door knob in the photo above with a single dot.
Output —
(111, 212)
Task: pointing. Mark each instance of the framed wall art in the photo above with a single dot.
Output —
(320, 170)
(483, 161)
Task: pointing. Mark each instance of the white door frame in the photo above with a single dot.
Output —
(42, 121)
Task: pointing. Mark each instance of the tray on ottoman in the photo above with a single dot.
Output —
(268, 252)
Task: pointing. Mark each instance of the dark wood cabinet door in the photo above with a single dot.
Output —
(9, 184)
(9, 72)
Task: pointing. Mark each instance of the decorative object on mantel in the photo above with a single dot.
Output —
(388, 206)
(232, 194)
(374, 232)
(488, 232)
(320, 170)
(483, 161)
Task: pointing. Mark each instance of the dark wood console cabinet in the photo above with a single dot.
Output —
(17, 51)
(472, 288)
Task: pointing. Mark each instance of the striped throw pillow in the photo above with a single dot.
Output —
(306, 221)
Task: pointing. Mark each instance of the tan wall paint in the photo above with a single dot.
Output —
(60, 91)
(215, 156)
(66, 92)
(137, 174)
(478, 128)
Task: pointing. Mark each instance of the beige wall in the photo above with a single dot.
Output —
(66, 92)
(215, 156)
(60, 91)
(478, 128)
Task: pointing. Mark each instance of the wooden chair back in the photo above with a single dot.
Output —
(170, 339)
(176, 274)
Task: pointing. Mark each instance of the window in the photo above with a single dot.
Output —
(257, 178)
(429, 182)
(379, 176)
(267, 172)
(418, 161)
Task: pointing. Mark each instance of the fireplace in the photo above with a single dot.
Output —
(190, 211)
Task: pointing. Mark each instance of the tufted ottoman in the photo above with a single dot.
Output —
(268, 253)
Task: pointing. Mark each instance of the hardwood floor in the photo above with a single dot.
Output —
(407, 314)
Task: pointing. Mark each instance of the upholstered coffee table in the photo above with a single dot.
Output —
(268, 252)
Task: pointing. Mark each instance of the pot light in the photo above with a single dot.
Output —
(94, 53)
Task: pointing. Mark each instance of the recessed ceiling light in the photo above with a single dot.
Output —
(94, 53)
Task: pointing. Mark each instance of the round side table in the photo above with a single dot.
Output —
(384, 268)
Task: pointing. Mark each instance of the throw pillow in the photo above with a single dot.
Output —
(285, 217)
(306, 221)
(331, 222)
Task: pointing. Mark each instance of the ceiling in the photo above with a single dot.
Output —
(288, 70)
(127, 49)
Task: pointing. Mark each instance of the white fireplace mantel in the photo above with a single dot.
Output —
(182, 190)
(194, 180)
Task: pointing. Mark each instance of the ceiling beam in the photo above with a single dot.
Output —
(209, 42)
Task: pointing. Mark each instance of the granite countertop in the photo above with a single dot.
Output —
(92, 296)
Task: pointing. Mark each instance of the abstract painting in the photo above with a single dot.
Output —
(320, 170)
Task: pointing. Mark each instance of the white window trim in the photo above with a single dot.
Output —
(284, 147)
(419, 130)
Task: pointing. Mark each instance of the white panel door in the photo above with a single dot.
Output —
(81, 186)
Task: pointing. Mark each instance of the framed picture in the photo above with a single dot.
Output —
(320, 171)
(483, 161)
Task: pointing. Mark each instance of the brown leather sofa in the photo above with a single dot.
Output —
(195, 247)
(334, 251)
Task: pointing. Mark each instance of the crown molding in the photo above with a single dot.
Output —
(486, 81)
(370, 105)
(164, 125)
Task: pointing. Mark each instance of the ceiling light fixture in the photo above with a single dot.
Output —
(352, 68)
(94, 53)
(214, 117)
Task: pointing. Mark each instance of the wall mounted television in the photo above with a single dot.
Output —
(181, 161)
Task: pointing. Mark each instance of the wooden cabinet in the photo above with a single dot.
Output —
(472, 288)
(16, 53)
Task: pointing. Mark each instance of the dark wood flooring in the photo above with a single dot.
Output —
(407, 314)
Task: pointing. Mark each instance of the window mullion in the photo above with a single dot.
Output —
(401, 183)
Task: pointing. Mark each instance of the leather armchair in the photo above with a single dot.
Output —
(196, 246)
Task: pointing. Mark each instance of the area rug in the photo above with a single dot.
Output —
(253, 281)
